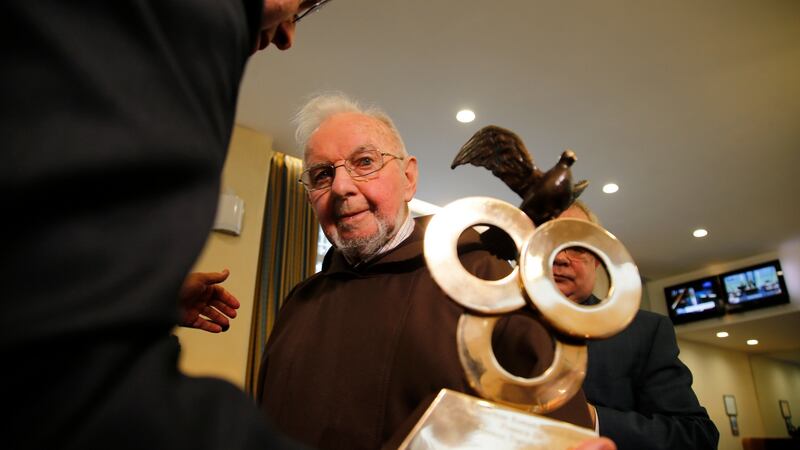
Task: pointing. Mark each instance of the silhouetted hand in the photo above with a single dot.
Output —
(204, 304)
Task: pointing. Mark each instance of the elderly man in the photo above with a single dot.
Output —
(641, 391)
(116, 120)
(360, 349)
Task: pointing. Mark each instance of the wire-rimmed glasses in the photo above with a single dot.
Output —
(361, 163)
(577, 253)
(315, 7)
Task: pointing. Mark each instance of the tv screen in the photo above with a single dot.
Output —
(694, 300)
(754, 287)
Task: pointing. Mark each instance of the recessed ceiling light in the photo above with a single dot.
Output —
(610, 188)
(465, 116)
(722, 334)
(700, 232)
(752, 342)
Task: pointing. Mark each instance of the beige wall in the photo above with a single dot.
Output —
(776, 380)
(719, 372)
(246, 171)
(755, 381)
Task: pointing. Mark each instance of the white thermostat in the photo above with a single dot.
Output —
(230, 213)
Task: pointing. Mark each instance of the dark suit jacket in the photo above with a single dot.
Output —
(116, 117)
(643, 392)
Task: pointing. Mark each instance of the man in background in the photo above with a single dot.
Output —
(116, 118)
(641, 392)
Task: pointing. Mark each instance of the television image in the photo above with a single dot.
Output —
(753, 287)
(694, 300)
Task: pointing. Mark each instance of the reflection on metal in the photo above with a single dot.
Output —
(459, 421)
(609, 317)
(540, 394)
(537, 248)
(441, 237)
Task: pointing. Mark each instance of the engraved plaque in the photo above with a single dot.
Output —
(459, 421)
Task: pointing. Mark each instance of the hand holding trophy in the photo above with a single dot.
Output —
(507, 415)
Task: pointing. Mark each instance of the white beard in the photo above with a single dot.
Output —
(365, 247)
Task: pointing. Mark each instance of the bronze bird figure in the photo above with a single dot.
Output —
(545, 195)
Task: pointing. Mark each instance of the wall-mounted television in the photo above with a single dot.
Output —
(754, 287)
(694, 300)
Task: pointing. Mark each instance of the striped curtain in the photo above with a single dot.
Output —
(287, 256)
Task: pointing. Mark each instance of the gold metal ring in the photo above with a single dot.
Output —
(541, 394)
(441, 237)
(599, 321)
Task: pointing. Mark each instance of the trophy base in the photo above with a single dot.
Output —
(459, 421)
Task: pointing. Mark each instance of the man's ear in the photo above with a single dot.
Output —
(411, 173)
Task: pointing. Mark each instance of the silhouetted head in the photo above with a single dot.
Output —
(278, 21)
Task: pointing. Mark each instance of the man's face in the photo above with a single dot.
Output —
(360, 213)
(277, 26)
(574, 271)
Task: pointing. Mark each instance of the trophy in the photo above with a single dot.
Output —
(508, 414)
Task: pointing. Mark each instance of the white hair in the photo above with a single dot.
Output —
(323, 106)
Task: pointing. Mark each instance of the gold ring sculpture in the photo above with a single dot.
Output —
(609, 317)
(530, 283)
(441, 237)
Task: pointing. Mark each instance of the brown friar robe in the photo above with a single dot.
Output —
(358, 353)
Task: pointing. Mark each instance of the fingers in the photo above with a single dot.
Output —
(206, 325)
(214, 324)
(223, 308)
(215, 277)
(207, 305)
(197, 282)
(216, 316)
(221, 295)
(600, 443)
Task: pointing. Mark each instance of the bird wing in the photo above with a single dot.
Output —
(502, 152)
(578, 188)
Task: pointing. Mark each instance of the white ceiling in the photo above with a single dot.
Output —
(693, 108)
(777, 334)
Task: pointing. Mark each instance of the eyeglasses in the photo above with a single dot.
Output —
(315, 7)
(363, 162)
(577, 253)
